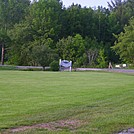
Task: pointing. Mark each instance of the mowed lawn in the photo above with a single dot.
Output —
(102, 102)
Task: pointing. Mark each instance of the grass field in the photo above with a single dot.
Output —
(102, 103)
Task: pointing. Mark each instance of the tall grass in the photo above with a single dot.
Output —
(104, 101)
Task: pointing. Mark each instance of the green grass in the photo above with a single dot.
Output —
(104, 101)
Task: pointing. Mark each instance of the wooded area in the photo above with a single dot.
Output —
(39, 32)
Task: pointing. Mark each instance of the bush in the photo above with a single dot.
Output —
(31, 69)
(54, 66)
(102, 63)
(131, 66)
(8, 67)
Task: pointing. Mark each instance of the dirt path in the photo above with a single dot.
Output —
(51, 126)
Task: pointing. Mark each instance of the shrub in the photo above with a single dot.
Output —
(102, 63)
(54, 66)
(8, 67)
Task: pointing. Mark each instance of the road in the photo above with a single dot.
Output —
(130, 71)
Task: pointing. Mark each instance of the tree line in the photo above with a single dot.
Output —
(39, 32)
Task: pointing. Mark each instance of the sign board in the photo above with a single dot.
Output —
(65, 64)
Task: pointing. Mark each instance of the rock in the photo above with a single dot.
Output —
(131, 130)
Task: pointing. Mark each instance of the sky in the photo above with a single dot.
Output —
(87, 3)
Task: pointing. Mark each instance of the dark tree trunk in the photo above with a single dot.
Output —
(2, 54)
(43, 68)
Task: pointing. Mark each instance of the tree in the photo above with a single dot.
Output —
(29, 25)
(40, 26)
(44, 19)
(11, 12)
(21, 44)
(124, 46)
(4, 39)
(120, 13)
(92, 49)
(123, 10)
(101, 59)
(42, 55)
(72, 48)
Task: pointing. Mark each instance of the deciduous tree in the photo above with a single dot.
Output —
(124, 46)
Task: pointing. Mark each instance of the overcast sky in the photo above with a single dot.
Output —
(87, 3)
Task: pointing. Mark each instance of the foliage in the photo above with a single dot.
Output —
(92, 47)
(8, 68)
(4, 40)
(42, 55)
(102, 63)
(124, 46)
(54, 66)
(11, 12)
(39, 27)
(71, 48)
(77, 33)
(123, 11)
